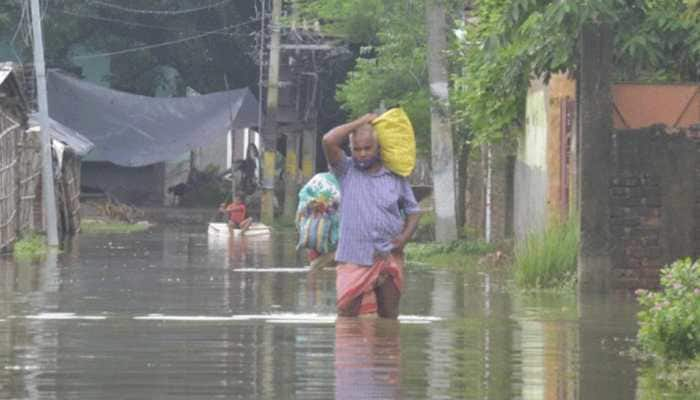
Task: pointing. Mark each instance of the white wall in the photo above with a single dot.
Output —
(530, 192)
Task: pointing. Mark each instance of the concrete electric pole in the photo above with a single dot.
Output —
(48, 194)
(267, 210)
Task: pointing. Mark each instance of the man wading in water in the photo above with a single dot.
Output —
(373, 231)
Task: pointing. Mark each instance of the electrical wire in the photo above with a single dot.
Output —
(159, 12)
(23, 14)
(155, 45)
(130, 23)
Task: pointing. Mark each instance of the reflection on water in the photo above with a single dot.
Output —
(367, 359)
(169, 314)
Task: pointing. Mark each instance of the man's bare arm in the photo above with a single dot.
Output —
(409, 228)
(333, 140)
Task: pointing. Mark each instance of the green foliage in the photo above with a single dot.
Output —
(669, 322)
(394, 70)
(516, 40)
(677, 380)
(31, 246)
(99, 226)
(208, 188)
(73, 26)
(391, 61)
(457, 254)
(547, 259)
(357, 21)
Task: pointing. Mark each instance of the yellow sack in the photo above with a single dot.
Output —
(397, 141)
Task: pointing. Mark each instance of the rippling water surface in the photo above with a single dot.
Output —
(168, 314)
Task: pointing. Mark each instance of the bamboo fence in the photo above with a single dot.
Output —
(9, 132)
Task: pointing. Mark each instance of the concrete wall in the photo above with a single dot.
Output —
(530, 175)
(654, 198)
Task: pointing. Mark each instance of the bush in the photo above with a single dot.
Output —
(548, 259)
(31, 246)
(457, 254)
(99, 226)
(669, 322)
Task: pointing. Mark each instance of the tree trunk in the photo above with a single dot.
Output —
(462, 174)
(442, 154)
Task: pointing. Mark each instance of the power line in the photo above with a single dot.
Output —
(159, 12)
(168, 43)
(23, 14)
(124, 22)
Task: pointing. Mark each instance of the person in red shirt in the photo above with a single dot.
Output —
(236, 211)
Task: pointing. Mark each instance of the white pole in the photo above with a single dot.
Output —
(48, 195)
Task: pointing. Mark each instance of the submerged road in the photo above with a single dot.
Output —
(167, 314)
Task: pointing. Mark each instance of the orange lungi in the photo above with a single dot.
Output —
(353, 280)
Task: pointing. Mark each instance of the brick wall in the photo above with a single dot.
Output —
(654, 197)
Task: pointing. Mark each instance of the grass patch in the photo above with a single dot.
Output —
(670, 380)
(548, 259)
(98, 226)
(457, 254)
(31, 246)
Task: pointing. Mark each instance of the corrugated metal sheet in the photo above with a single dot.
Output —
(79, 143)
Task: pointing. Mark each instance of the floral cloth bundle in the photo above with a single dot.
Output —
(318, 219)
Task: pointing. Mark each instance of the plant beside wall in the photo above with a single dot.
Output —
(31, 246)
(669, 323)
(547, 259)
(457, 254)
(114, 227)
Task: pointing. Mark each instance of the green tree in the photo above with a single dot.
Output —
(105, 27)
(388, 39)
(516, 40)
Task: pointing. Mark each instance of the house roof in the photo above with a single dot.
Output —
(5, 71)
(8, 74)
(79, 143)
(132, 130)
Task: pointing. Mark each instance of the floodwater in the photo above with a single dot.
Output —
(166, 314)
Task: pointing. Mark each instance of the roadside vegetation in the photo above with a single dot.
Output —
(31, 246)
(547, 259)
(102, 226)
(456, 255)
(669, 326)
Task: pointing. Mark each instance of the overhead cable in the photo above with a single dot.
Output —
(130, 23)
(154, 45)
(159, 12)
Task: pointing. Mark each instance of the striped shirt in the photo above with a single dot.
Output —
(370, 211)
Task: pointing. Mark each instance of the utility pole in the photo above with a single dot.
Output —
(267, 208)
(48, 194)
(442, 153)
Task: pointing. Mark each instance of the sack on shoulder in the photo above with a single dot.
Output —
(397, 141)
